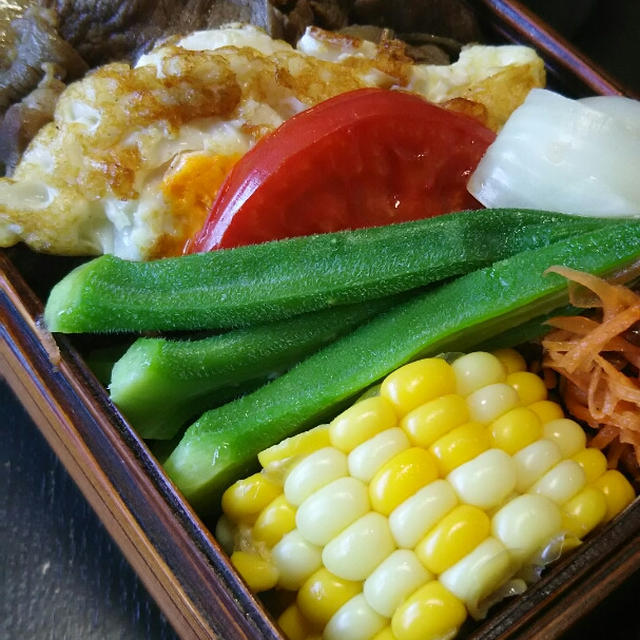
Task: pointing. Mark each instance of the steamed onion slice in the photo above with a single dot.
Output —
(557, 154)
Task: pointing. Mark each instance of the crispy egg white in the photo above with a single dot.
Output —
(134, 157)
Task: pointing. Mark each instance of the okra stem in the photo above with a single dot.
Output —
(267, 282)
(224, 442)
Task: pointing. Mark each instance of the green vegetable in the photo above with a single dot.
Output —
(275, 280)
(159, 384)
(525, 332)
(223, 443)
(101, 360)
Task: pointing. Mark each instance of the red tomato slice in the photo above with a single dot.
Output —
(365, 158)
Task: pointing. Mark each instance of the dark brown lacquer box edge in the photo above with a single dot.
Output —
(172, 551)
(168, 546)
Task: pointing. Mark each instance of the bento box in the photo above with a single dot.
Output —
(172, 550)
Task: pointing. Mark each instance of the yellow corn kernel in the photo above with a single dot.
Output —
(293, 624)
(411, 520)
(431, 420)
(526, 523)
(259, 574)
(593, 463)
(515, 430)
(298, 445)
(476, 370)
(490, 402)
(296, 559)
(430, 613)
(456, 535)
(418, 382)
(360, 422)
(530, 387)
(355, 620)
(246, 498)
(584, 512)
(325, 513)
(360, 548)
(278, 518)
(486, 480)
(368, 457)
(323, 594)
(314, 472)
(400, 478)
(617, 491)
(562, 482)
(546, 410)
(511, 360)
(459, 446)
(567, 434)
(395, 578)
(385, 634)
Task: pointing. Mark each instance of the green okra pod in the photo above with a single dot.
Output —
(161, 383)
(262, 283)
(224, 442)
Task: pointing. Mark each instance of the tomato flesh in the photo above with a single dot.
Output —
(365, 158)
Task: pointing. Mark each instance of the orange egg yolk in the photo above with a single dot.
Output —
(190, 188)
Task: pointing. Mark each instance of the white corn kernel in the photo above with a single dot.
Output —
(486, 480)
(410, 520)
(393, 580)
(225, 534)
(479, 574)
(360, 548)
(476, 370)
(562, 482)
(354, 620)
(490, 402)
(313, 472)
(324, 514)
(296, 559)
(368, 457)
(567, 434)
(534, 461)
(526, 524)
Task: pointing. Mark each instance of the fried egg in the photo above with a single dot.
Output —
(134, 157)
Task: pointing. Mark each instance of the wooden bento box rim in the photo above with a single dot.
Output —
(175, 555)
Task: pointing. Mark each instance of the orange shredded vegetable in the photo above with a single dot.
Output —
(598, 364)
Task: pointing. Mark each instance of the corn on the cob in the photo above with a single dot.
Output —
(421, 504)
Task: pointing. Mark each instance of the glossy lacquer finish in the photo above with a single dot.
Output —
(173, 552)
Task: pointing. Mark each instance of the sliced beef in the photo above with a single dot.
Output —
(30, 40)
(449, 18)
(23, 119)
(434, 29)
(107, 30)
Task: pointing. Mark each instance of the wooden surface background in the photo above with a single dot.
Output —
(61, 577)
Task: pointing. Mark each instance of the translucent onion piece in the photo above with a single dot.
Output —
(625, 110)
(564, 155)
